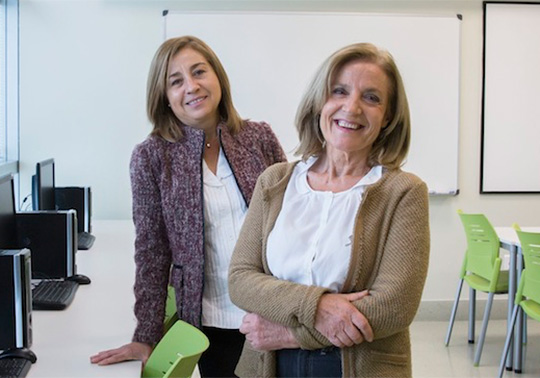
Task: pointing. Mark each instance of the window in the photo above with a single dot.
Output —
(9, 86)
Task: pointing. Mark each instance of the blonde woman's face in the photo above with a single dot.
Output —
(193, 90)
(354, 113)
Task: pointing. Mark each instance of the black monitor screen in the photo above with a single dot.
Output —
(45, 185)
(7, 212)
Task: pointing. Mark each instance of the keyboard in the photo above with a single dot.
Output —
(53, 295)
(13, 367)
(85, 240)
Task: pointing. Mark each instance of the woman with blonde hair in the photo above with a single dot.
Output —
(332, 257)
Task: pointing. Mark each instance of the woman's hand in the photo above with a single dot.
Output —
(340, 322)
(128, 352)
(265, 335)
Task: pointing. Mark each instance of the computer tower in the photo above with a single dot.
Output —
(78, 198)
(52, 238)
(15, 299)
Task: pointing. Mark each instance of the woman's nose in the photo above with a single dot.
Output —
(352, 105)
(191, 85)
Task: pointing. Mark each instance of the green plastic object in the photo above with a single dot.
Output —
(171, 316)
(528, 293)
(481, 269)
(482, 265)
(177, 353)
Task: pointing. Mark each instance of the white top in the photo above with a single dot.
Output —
(311, 241)
(224, 213)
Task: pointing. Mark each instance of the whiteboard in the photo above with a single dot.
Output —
(511, 111)
(271, 57)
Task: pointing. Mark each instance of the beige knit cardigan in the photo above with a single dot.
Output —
(389, 257)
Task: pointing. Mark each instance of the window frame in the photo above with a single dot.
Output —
(10, 35)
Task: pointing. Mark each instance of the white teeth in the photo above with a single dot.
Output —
(348, 125)
(196, 101)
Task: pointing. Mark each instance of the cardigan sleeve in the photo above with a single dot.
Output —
(152, 252)
(398, 282)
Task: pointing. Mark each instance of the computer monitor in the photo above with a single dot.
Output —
(7, 212)
(43, 197)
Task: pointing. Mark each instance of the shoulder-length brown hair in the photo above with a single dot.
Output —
(166, 124)
(392, 145)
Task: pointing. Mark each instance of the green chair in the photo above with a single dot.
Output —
(481, 270)
(171, 315)
(528, 293)
(177, 353)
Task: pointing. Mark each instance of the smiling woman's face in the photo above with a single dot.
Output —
(355, 111)
(193, 90)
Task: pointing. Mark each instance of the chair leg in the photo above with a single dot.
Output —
(472, 314)
(508, 340)
(482, 337)
(453, 315)
(524, 325)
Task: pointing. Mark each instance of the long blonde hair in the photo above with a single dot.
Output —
(392, 145)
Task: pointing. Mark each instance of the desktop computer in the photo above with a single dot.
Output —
(52, 238)
(16, 299)
(15, 313)
(78, 198)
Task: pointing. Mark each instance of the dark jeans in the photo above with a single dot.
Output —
(222, 355)
(309, 363)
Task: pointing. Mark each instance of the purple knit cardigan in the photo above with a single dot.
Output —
(166, 181)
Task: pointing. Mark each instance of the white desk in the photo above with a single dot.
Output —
(101, 315)
(509, 241)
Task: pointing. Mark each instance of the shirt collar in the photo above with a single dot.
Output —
(302, 186)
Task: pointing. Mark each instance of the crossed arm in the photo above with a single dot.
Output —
(337, 319)
(309, 316)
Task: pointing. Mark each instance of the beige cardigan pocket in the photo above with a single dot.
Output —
(389, 358)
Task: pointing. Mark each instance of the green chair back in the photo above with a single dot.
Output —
(177, 353)
(482, 259)
(171, 315)
(528, 294)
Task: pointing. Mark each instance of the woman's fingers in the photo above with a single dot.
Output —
(340, 321)
(128, 352)
(361, 323)
(351, 297)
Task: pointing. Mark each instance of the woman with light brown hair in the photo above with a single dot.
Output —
(192, 181)
(332, 257)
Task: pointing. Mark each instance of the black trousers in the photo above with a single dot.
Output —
(221, 357)
(309, 363)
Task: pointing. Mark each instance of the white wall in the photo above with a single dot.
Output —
(83, 75)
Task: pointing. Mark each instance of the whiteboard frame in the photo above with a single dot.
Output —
(498, 160)
(434, 63)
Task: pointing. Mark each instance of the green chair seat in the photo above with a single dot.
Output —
(531, 308)
(481, 284)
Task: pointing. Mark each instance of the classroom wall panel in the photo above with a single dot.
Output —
(270, 58)
(511, 97)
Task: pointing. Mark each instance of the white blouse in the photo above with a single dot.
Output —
(311, 241)
(224, 213)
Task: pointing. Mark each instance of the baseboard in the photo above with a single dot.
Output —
(441, 310)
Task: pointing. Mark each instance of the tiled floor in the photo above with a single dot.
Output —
(431, 358)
